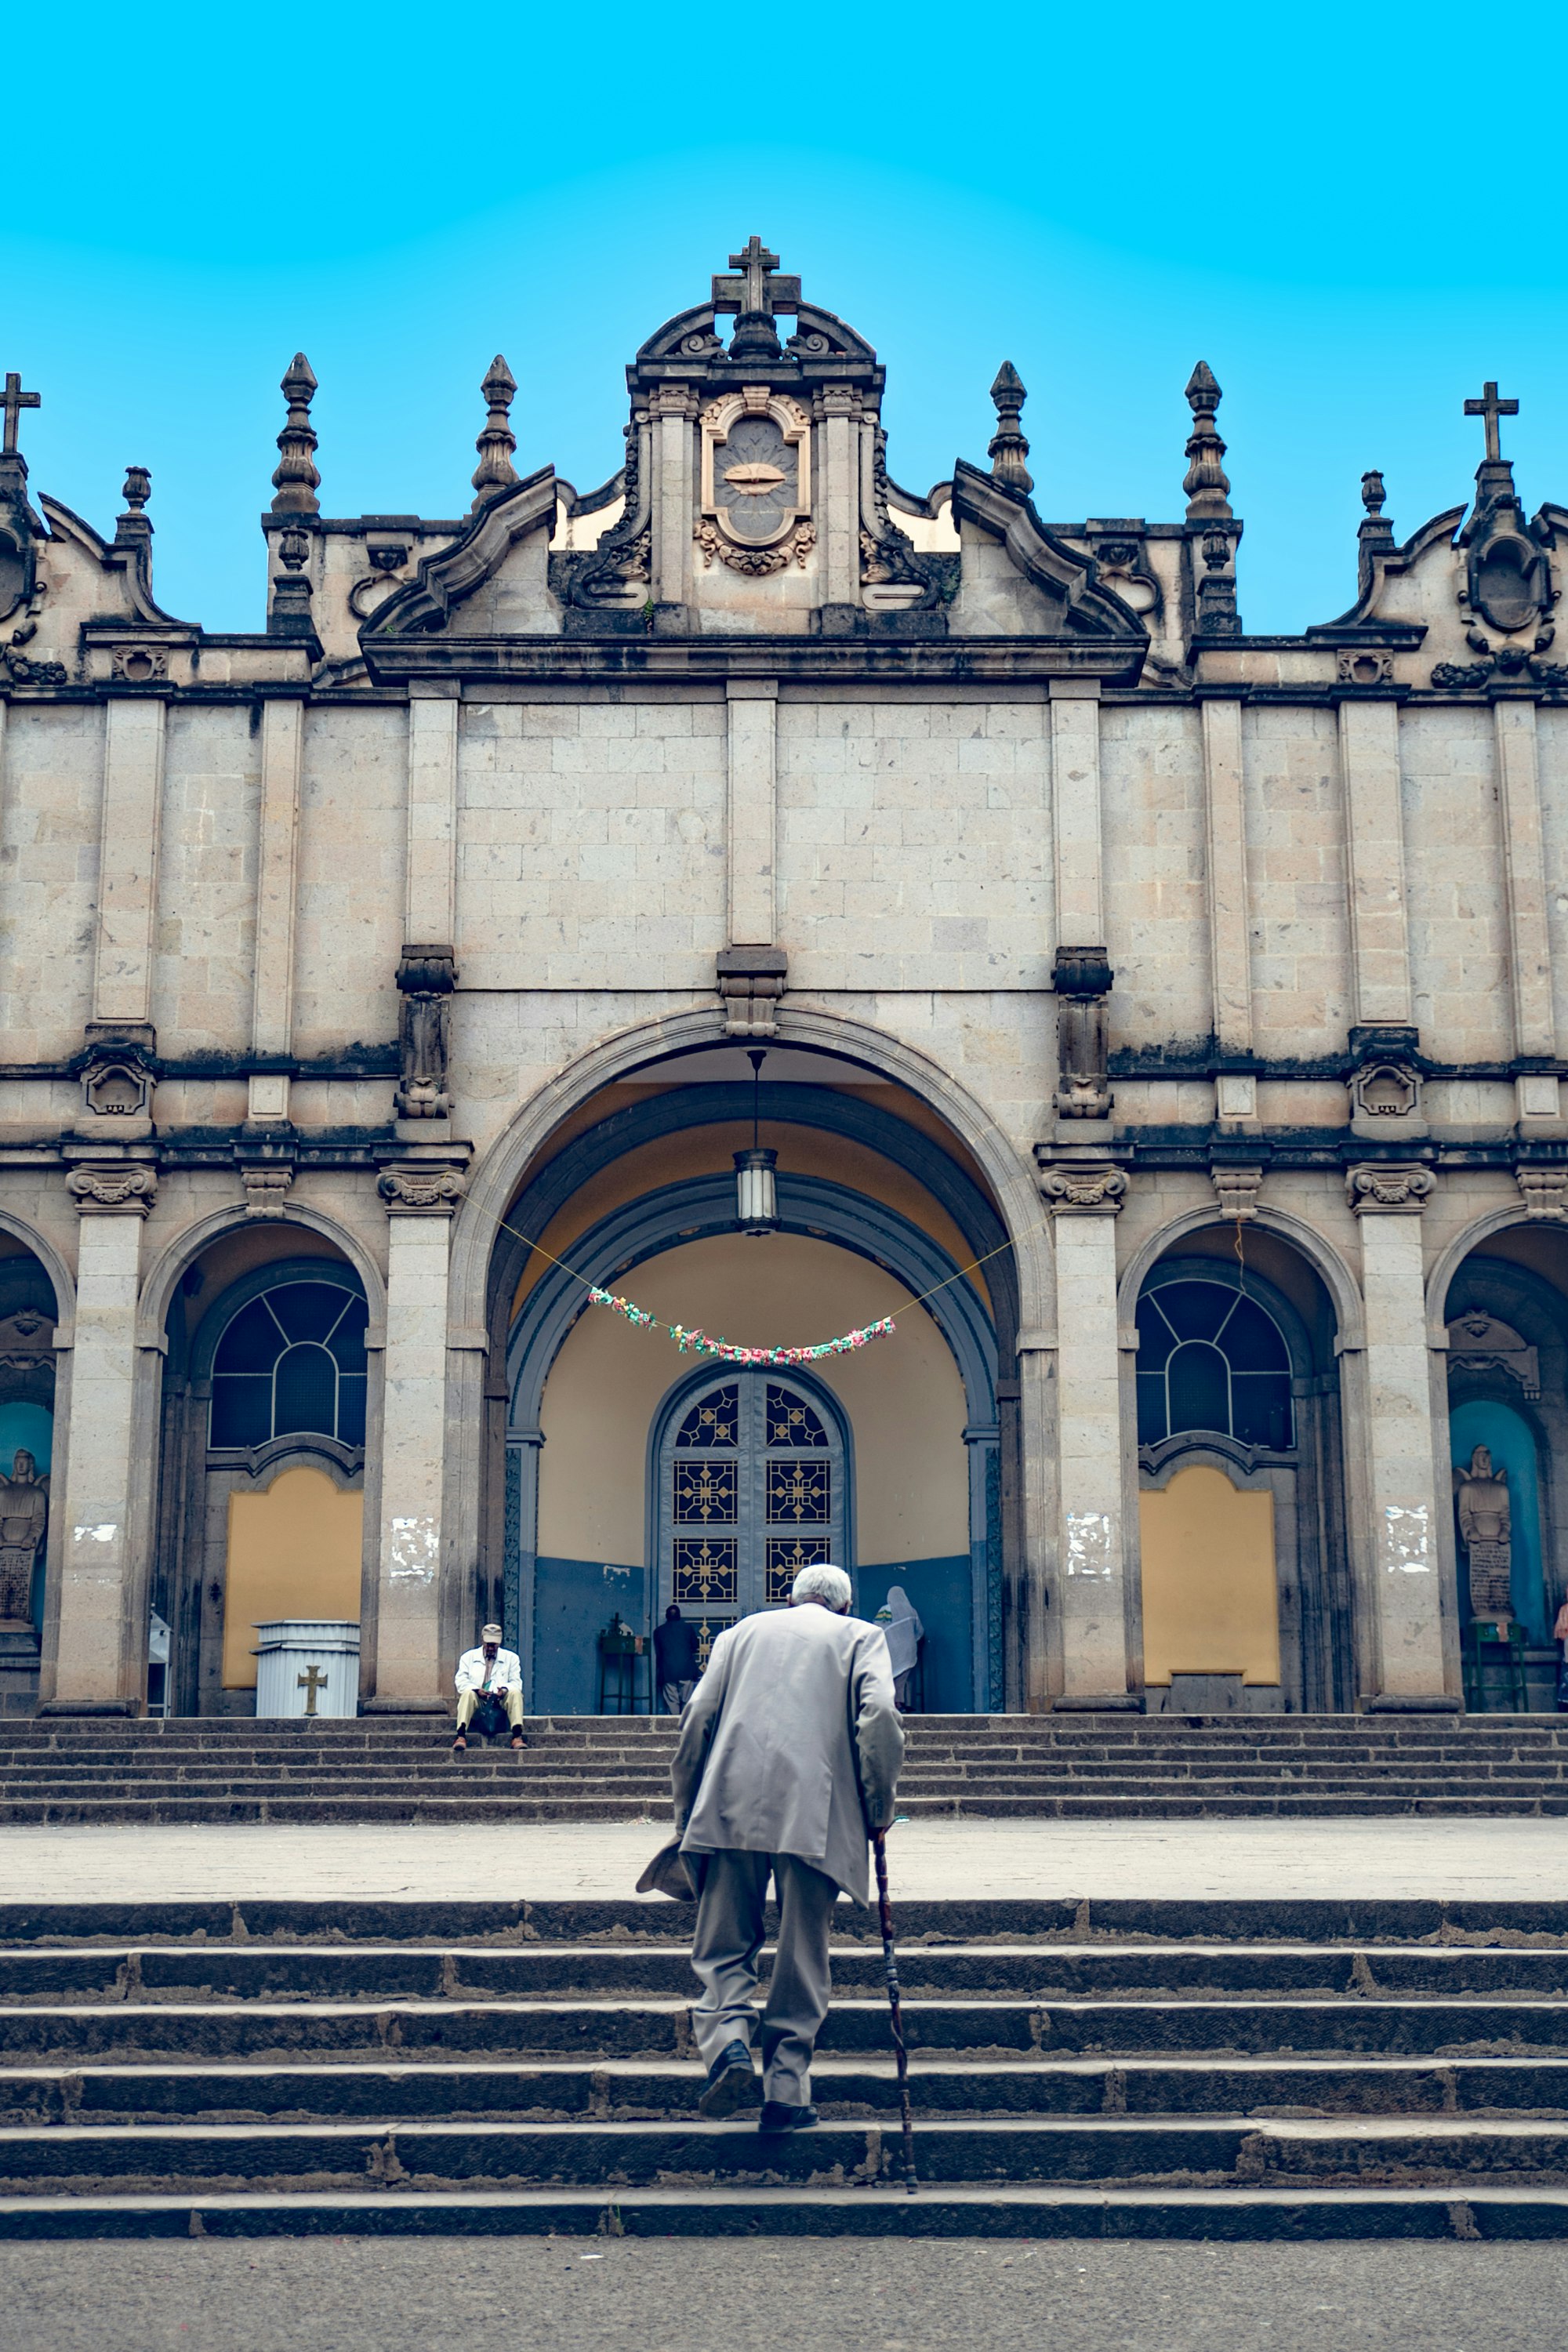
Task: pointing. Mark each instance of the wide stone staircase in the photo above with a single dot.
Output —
(187, 1768)
(1211, 2070)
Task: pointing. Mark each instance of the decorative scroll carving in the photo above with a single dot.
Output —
(113, 1190)
(139, 665)
(1236, 1191)
(428, 1190)
(755, 562)
(265, 1188)
(1545, 1192)
(751, 980)
(1096, 1190)
(1391, 1184)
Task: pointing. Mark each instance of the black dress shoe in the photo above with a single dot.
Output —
(731, 2083)
(778, 2117)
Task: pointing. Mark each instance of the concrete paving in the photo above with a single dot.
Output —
(1496, 1859)
(1075, 2295)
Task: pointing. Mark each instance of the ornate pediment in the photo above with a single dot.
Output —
(1068, 580)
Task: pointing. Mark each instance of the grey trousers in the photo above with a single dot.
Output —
(724, 1952)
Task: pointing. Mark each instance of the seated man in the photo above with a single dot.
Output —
(675, 1660)
(492, 1674)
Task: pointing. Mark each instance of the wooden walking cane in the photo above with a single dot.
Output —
(890, 1963)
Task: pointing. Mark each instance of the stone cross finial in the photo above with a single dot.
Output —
(1008, 446)
(12, 401)
(1489, 407)
(1206, 484)
(758, 295)
(296, 480)
(495, 470)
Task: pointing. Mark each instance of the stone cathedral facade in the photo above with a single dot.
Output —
(1164, 1024)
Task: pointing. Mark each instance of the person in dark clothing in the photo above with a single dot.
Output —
(675, 1665)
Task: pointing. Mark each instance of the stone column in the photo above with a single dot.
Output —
(128, 860)
(751, 816)
(1374, 856)
(1091, 1583)
(102, 1594)
(1388, 1198)
(420, 1199)
(673, 410)
(839, 522)
(1230, 954)
(272, 1002)
(1075, 811)
(1529, 940)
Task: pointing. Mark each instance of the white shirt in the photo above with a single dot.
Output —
(504, 1670)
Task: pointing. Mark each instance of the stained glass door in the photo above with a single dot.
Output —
(751, 1490)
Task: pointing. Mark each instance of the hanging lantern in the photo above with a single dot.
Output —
(756, 1193)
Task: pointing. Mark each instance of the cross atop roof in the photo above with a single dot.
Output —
(12, 401)
(1491, 408)
(755, 289)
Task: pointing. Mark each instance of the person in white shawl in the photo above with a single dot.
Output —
(789, 1755)
(900, 1623)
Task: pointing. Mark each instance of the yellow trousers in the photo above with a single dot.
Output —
(510, 1700)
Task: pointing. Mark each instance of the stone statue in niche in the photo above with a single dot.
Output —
(24, 1518)
(1486, 1528)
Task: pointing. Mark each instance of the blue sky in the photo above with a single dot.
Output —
(1353, 217)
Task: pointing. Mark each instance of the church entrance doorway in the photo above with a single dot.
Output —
(752, 1475)
(1244, 1591)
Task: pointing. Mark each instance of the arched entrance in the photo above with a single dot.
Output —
(866, 1223)
(1505, 1320)
(266, 1409)
(1245, 1598)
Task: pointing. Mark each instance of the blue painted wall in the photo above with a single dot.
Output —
(573, 1601)
(940, 1592)
(1512, 1443)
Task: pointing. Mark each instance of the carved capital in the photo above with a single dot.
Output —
(678, 400)
(1394, 1185)
(1236, 1191)
(114, 1191)
(420, 1191)
(1091, 1191)
(1544, 1191)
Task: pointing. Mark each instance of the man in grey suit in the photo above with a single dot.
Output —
(789, 1755)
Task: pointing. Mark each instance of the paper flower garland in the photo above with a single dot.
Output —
(691, 1340)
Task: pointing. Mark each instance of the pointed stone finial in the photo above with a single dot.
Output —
(1008, 446)
(1375, 535)
(296, 480)
(134, 527)
(1206, 483)
(495, 470)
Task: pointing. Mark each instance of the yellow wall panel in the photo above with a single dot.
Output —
(293, 1551)
(1211, 1597)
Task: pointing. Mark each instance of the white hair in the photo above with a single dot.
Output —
(824, 1582)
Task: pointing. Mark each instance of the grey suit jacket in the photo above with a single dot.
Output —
(790, 1743)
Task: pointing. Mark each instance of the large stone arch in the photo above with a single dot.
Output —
(503, 1166)
(690, 1211)
(1343, 1289)
(473, 1511)
(158, 1283)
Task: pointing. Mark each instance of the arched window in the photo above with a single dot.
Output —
(291, 1363)
(751, 1490)
(1211, 1358)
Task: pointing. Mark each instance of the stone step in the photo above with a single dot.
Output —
(254, 1970)
(1183, 2151)
(503, 2032)
(641, 2090)
(508, 1806)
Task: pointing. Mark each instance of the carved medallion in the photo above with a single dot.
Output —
(756, 482)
